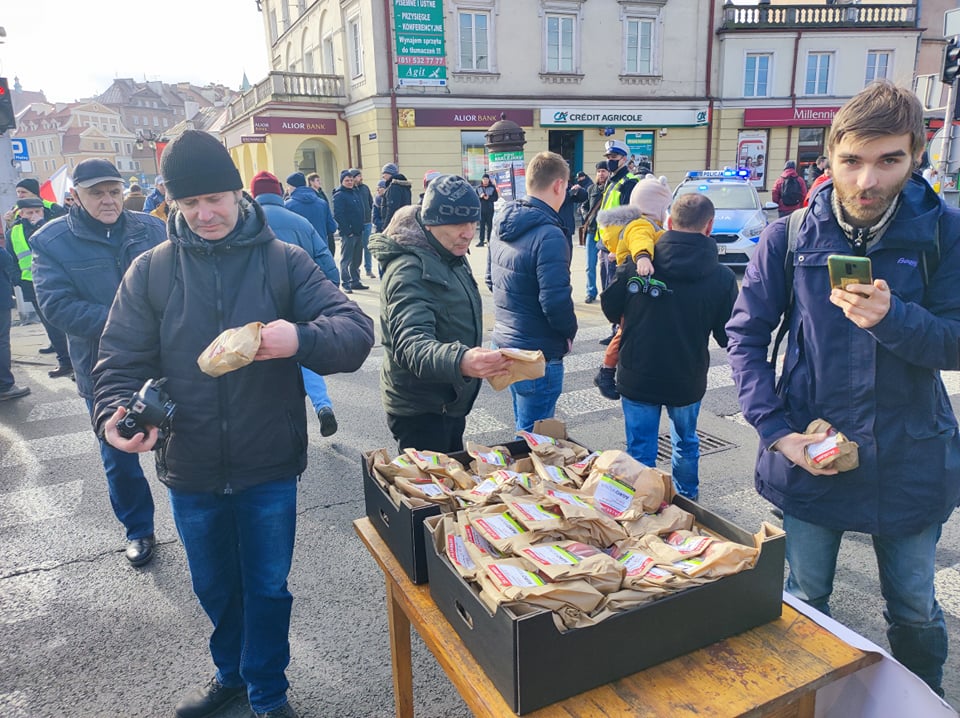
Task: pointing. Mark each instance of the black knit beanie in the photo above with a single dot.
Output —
(30, 184)
(195, 163)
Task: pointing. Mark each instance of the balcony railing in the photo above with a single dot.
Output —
(738, 17)
(287, 87)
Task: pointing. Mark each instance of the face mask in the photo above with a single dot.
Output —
(613, 165)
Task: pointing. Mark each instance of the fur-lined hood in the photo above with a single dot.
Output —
(618, 216)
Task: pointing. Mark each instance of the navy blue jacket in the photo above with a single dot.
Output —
(77, 266)
(294, 229)
(153, 200)
(576, 195)
(528, 269)
(348, 211)
(308, 204)
(879, 386)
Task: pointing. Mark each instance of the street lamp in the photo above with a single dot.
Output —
(148, 137)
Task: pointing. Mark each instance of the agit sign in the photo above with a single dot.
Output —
(294, 125)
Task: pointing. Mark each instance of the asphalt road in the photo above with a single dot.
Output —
(86, 635)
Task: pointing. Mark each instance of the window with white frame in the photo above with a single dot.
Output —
(474, 36)
(274, 33)
(329, 66)
(355, 46)
(878, 65)
(817, 81)
(639, 43)
(756, 75)
(560, 41)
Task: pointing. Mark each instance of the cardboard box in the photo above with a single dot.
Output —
(533, 664)
(399, 524)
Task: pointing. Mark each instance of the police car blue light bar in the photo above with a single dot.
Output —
(720, 174)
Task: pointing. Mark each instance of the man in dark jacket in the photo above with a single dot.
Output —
(787, 188)
(156, 197)
(397, 194)
(867, 359)
(367, 198)
(487, 192)
(315, 183)
(308, 204)
(590, 209)
(664, 354)
(291, 228)
(528, 269)
(135, 199)
(8, 274)
(78, 261)
(348, 210)
(237, 443)
(431, 319)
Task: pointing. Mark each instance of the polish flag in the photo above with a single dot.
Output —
(56, 188)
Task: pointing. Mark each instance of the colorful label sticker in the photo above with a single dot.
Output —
(491, 457)
(500, 526)
(550, 556)
(556, 474)
(635, 563)
(486, 488)
(535, 439)
(689, 565)
(432, 459)
(564, 498)
(823, 450)
(429, 488)
(689, 544)
(457, 551)
(533, 512)
(401, 461)
(509, 576)
(612, 495)
(480, 542)
(657, 573)
(581, 466)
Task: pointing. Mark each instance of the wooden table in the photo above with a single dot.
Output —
(773, 670)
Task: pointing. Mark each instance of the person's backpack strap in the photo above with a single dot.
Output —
(278, 277)
(794, 222)
(161, 275)
(930, 260)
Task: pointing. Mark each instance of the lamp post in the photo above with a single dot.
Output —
(504, 142)
(155, 142)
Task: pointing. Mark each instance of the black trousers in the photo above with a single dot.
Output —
(428, 432)
(486, 227)
(351, 254)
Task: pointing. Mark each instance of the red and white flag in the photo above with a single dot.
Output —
(56, 188)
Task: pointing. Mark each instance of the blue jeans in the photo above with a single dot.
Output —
(316, 388)
(591, 265)
(643, 423)
(6, 376)
(915, 625)
(129, 491)
(535, 399)
(367, 259)
(239, 548)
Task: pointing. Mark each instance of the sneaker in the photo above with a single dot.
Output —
(207, 699)
(370, 275)
(347, 290)
(14, 392)
(62, 370)
(607, 340)
(590, 299)
(606, 382)
(284, 711)
(360, 286)
(328, 422)
(46, 350)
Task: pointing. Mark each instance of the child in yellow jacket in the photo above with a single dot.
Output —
(630, 232)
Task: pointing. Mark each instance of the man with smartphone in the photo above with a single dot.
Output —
(866, 357)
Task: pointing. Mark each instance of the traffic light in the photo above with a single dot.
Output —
(951, 62)
(7, 119)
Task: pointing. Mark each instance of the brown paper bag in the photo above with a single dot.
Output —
(565, 560)
(669, 518)
(526, 365)
(233, 349)
(836, 452)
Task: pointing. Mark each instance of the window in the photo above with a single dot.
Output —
(639, 46)
(756, 74)
(116, 147)
(328, 67)
(129, 148)
(818, 73)
(474, 43)
(560, 43)
(301, 6)
(355, 49)
(878, 66)
(165, 123)
(273, 27)
(156, 121)
(473, 158)
(285, 15)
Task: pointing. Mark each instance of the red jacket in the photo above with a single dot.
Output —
(778, 186)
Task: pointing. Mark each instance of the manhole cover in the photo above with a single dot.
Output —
(709, 444)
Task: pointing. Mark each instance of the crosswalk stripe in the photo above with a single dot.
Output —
(40, 503)
(55, 409)
(481, 421)
(584, 401)
(34, 451)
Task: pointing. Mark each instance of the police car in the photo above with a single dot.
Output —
(740, 216)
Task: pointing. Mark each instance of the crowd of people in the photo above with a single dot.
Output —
(126, 297)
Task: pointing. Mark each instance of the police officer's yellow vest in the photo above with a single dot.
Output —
(22, 250)
(611, 195)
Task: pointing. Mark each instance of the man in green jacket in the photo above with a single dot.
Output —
(430, 318)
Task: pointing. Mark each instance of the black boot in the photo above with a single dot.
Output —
(207, 699)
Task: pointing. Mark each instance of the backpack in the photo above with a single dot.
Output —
(930, 260)
(791, 192)
(162, 274)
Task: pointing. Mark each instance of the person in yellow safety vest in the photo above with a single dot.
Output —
(32, 215)
(29, 188)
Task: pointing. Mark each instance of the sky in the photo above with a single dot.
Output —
(73, 49)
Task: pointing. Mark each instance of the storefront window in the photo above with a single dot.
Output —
(809, 147)
(473, 155)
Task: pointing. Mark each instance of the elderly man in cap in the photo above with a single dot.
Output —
(237, 444)
(431, 319)
(78, 262)
(29, 188)
(156, 197)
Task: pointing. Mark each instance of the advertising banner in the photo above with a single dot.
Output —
(420, 47)
(752, 155)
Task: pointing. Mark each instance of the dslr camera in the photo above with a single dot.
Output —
(151, 406)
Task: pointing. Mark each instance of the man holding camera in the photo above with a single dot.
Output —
(237, 443)
(866, 358)
(78, 261)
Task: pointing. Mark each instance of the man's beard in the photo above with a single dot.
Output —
(867, 216)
